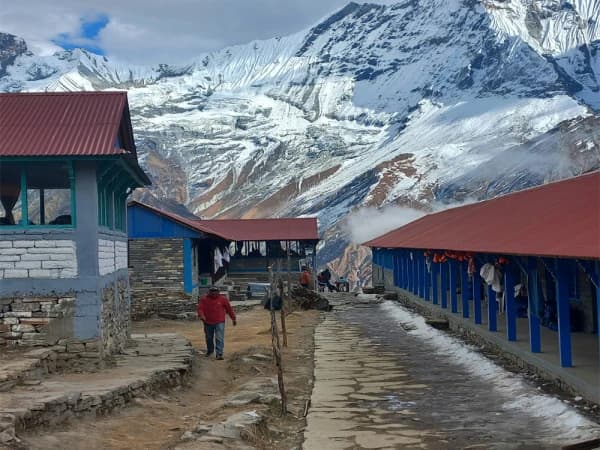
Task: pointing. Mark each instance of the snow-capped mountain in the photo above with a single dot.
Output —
(376, 105)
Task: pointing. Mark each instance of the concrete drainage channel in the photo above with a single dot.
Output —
(153, 362)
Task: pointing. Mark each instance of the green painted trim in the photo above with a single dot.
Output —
(35, 227)
(134, 176)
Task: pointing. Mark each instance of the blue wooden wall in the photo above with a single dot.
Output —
(143, 223)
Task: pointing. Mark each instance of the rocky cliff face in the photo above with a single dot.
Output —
(407, 104)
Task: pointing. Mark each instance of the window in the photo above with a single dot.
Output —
(112, 202)
(36, 194)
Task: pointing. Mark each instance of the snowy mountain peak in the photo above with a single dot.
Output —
(408, 104)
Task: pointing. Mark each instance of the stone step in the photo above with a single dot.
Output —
(152, 362)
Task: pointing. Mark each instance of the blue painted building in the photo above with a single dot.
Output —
(171, 257)
(526, 263)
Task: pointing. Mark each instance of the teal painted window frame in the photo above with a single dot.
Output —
(112, 198)
(24, 222)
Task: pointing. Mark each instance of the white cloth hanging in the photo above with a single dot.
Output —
(218, 259)
(491, 275)
(226, 256)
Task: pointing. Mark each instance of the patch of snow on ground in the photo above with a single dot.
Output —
(524, 398)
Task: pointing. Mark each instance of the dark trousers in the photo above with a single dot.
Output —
(214, 333)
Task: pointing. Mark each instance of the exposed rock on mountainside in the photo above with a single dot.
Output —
(377, 105)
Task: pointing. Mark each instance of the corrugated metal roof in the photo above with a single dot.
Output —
(190, 223)
(267, 229)
(557, 219)
(61, 124)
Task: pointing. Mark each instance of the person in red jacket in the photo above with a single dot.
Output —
(211, 311)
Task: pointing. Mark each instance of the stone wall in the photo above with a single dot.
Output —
(115, 317)
(156, 277)
(35, 321)
(38, 259)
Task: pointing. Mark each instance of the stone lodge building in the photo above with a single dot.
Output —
(67, 164)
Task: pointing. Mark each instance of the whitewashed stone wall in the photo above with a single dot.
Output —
(106, 256)
(120, 255)
(112, 256)
(38, 259)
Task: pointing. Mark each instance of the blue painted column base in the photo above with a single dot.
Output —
(492, 323)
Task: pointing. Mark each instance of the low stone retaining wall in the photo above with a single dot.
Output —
(152, 363)
(35, 364)
(148, 303)
(32, 321)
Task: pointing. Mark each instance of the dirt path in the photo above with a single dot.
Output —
(158, 423)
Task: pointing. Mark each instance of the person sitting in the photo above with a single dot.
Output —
(321, 282)
(327, 279)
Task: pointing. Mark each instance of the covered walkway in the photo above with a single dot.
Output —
(530, 285)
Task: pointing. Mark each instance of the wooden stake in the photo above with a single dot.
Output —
(277, 347)
(283, 327)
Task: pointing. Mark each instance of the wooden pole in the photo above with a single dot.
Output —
(283, 327)
(276, 346)
(289, 268)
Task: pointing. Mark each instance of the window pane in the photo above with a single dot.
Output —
(48, 194)
(58, 206)
(10, 194)
(33, 206)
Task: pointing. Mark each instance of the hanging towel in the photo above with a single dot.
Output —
(218, 259)
(491, 275)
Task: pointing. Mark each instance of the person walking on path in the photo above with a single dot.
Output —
(211, 310)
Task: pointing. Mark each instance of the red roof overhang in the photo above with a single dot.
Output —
(560, 219)
(284, 229)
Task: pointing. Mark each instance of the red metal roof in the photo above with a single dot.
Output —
(557, 219)
(267, 229)
(190, 223)
(61, 124)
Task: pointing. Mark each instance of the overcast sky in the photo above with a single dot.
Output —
(150, 31)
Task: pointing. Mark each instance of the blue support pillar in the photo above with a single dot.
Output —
(464, 288)
(409, 269)
(511, 309)
(421, 275)
(477, 298)
(427, 279)
(435, 283)
(562, 307)
(405, 268)
(400, 269)
(444, 268)
(492, 324)
(415, 274)
(187, 266)
(395, 268)
(453, 285)
(533, 293)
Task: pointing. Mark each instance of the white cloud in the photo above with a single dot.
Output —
(368, 223)
(150, 31)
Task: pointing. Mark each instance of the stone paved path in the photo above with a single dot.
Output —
(377, 386)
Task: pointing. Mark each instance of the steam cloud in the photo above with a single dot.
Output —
(368, 223)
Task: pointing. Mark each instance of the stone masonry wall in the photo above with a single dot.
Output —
(35, 321)
(156, 277)
(115, 317)
(38, 259)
